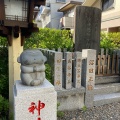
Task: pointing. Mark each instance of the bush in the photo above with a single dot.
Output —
(48, 73)
(49, 38)
(3, 41)
(110, 40)
(4, 108)
(60, 114)
(4, 82)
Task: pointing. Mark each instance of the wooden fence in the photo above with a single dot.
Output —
(108, 64)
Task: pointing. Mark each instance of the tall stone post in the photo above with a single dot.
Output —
(88, 75)
(87, 28)
(14, 67)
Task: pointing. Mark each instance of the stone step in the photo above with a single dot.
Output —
(106, 99)
(107, 79)
(106, 88)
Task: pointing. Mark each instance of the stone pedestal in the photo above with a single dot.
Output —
(35, 103)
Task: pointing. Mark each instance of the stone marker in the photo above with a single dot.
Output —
(87, 28)
(88, 75)
(77, 69)
(68, 70)
(58, 70)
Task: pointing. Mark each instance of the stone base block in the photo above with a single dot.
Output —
(71, 99)
(35, 103)
(72, 102)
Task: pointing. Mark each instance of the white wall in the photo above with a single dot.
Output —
(69, 13)
(39, 24)
(113, 10)
(111, 18)
(55, 16)
(46, 20)
(54, 1)
(75, 0)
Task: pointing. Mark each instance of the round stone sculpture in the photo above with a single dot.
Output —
(32, 67)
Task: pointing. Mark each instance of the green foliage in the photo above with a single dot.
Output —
(110, 40)
(4, 108)
(59, 113)
(11, 116)
(49, 38)
(4, 88)
(84, 108)
(48, 72)
(4, 82)
(3, 41)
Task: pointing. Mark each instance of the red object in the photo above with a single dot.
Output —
(38, 108)
(32, 108)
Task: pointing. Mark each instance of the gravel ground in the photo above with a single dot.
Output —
(105, 112)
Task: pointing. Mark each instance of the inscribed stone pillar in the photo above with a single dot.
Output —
(58, 70)
(68, 71)
(88, 75)
(77, 69)
(87, 28)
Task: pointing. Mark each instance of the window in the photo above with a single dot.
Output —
(15, 12)
(107, 4)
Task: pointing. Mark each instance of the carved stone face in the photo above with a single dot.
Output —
(29, 57)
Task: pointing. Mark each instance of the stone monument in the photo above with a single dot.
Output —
(87, 27)
(34, 97)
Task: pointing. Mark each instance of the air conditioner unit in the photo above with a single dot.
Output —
(67, 22)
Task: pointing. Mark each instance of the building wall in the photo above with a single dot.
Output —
(68, 19)
(39, 24)
(44, 20)
(63, 1)
(69, 13)
(97, 4)
(47, 20)
(55, 16)
(110, 18)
